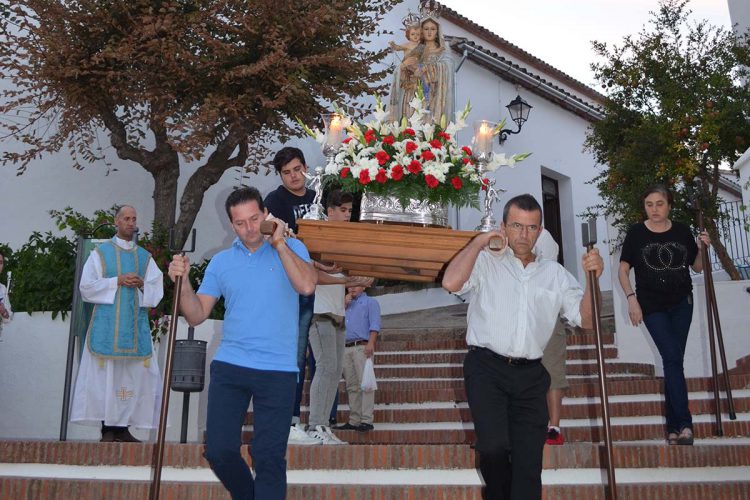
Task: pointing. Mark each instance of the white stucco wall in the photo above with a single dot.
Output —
(33, 359)
(634, 344)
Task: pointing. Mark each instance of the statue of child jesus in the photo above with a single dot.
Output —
(413, 50)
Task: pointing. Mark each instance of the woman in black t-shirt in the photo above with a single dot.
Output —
(660, 251)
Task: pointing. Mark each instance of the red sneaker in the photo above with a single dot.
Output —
(554, 437)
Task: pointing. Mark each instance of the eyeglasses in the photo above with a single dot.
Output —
(518, 228)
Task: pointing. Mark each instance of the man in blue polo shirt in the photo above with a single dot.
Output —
(260, 281)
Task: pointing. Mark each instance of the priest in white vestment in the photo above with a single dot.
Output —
(119, 383)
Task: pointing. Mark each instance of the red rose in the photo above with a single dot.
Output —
(435, 143)
(467, 150)
(364, 177)
(467, 160)
(457, 183)
(369, 136)
(431, 181)
(445, 136)
(389, 139)
(345, 172)
(380, 176)
(427, 155)
(409, 131)
(485, 183)
(346, 141)
(382, 157)
(411, 147)
(397, 172)
(414, 167)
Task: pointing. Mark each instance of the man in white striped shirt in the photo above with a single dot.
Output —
(516, 299)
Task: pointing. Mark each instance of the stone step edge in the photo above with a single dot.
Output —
(437, 477)
(572, 401)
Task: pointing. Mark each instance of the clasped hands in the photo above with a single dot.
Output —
(129, 280)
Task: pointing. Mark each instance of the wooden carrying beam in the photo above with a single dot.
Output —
(389, 251)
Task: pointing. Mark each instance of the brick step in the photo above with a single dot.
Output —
(554, 487)
(455, 370)
(422, 334)
(706, 453)
(586, 351)
(583, 337)
(457, 356)
(459, 411)
(406, 345)
(650, 385)
(46, 488)
(443, 338)
(652, 491)
(452, 389)
(582, 430)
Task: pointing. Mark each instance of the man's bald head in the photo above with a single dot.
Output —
(126, 222)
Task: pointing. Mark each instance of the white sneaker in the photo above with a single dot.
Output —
(297, 435)
(323, 434)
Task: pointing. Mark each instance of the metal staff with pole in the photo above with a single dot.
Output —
(158, 457)
(712, 316)
(588, 233)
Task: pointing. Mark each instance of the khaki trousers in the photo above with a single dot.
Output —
(361, 404)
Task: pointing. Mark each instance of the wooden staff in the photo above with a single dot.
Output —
(158, 457)
(588, 233)
(712, 316)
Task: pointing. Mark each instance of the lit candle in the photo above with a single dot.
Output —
(484, 138)
(334, 131)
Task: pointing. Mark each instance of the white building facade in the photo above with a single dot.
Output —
(492, 74)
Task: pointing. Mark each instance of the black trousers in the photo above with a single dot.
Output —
(509, 408)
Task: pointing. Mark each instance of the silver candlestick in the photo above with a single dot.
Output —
(317, 212)
(488, 221)
(335, 125)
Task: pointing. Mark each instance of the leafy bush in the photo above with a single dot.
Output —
(44, 268)
(43, 271)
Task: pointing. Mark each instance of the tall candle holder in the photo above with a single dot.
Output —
(334, 128)
(484, 131)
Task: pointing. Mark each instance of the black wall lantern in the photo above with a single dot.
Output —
(519, 113)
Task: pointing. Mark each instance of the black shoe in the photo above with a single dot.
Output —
(124, 436)
(365, 427)
(107, 437)
(346, 427)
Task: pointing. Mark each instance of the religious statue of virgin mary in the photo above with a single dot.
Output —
(428, 63)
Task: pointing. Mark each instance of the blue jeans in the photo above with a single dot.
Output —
(306, 308)
(669, 329)
(229, 394)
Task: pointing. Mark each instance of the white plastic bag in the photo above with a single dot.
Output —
(368, 377)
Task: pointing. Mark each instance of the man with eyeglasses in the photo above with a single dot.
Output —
(516, 299)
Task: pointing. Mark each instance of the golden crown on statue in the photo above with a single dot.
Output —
(429, 9)
(411, 19)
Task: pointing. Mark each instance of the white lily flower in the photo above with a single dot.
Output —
(380, 115)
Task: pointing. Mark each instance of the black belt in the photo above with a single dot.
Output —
(505, 359)
(355, 342)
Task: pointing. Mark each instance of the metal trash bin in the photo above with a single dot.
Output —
(189, 365)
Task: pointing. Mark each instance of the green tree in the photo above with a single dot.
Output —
(676, 113)
(177, 81)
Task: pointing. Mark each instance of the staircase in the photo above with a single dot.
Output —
(421, 445)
